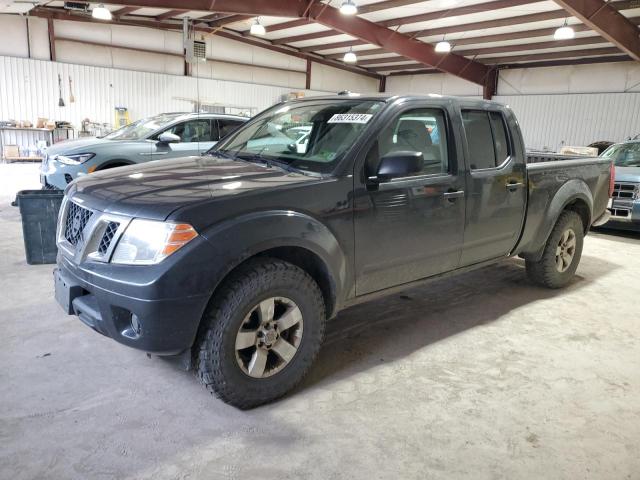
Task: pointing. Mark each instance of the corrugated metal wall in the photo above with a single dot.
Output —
(552, 121)
(30, 90)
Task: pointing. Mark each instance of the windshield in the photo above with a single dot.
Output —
(310, 135)
(140, 129)
(624, 154)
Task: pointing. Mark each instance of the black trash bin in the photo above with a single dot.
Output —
(39, 210)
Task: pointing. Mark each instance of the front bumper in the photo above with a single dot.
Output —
(163, 326)
(625, 214)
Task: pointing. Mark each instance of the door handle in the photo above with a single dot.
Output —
(512, 186)
(452, 195)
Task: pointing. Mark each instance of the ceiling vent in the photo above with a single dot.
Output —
(76, 6)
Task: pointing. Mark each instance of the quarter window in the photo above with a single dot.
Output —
(487, 139)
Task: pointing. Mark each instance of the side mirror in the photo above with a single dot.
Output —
(399, 164)
(168, 137)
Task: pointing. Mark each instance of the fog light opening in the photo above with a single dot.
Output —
(136, 326)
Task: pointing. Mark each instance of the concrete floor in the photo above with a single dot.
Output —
(482, 377)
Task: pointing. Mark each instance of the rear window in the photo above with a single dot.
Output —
(487, 138)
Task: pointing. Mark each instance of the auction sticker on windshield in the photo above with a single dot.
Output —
(350, 118)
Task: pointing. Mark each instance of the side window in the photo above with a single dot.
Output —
(500, 138)
(194, 131)
(479, 139)
(420, 130)
(228, 126)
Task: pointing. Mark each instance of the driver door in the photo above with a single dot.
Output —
(196, 136)
(410, 228)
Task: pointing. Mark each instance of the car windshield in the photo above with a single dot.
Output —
(624, 154)
(140, 129)
(310, 135)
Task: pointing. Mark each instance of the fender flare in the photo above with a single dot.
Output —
(572, 191)
(238, 239)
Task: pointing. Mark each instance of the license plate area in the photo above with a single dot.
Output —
(65, 292)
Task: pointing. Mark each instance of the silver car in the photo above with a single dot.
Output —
(625, 203)
(167, 135)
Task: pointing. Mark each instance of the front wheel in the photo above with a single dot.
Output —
(562, 253)
(261, 333)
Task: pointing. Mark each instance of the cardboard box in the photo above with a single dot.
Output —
(10, 151)
(41, 122)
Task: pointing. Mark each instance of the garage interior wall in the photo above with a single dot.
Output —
(556, 106)
(109, 75)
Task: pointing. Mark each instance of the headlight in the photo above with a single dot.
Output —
(147, 242)
(75, 159)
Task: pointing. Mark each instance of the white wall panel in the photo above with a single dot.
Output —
(604, 77)
(13, 40)
(440, 83)
(332, 79)
(39, 38)
(30, 90)
(551, 121)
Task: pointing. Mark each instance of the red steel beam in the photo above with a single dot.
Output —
(608, 22)
(274, 8)
(170, 14)
(466, 27)
(483, 7)
(399, 43)
(591, 52)
(124, 11)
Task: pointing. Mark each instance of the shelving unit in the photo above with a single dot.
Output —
(35, 134)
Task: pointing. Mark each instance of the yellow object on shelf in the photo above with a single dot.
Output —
(122, 117)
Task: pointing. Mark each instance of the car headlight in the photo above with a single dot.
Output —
(147, 242)
(75, 159)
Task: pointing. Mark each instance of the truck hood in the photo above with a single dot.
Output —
(628, 174)
(82, 145)
(155, 189)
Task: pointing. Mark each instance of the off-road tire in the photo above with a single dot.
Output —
(214, 351)
(544, 272)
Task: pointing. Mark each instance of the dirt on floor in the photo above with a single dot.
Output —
(483, 376)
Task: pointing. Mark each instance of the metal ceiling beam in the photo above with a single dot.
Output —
(466, 27)
(549, 63)
(123, 11)
(274, 8)
(425, 17)
(608, 22)
(170, 14)
(372, 7)
(399, 43)
(592, 52)
(230, 19)
(576, 42)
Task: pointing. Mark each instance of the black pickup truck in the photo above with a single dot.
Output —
(236, 259)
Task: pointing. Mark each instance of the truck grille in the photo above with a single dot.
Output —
(107, 237)
(77, 219)
(624, 191)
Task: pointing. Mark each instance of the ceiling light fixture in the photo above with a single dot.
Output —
(348, 7)
(257, 28)
(101, 12)
(565, 32)
(350, 56)
(443, 46)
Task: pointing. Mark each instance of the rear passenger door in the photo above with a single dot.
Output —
(496, 193)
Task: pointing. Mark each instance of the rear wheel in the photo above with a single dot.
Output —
(260, 333)
(561, 254)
